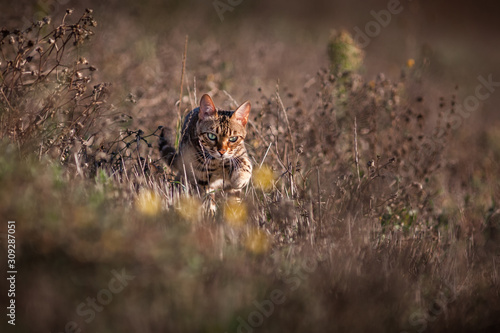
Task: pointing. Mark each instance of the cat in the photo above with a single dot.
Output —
(212, 153)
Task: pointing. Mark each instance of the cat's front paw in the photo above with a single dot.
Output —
(240, 179)
(209, 205)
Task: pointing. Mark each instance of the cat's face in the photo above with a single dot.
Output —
(221, 133)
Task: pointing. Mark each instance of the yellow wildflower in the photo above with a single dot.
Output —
(148, 203)
(263, 178)
(257, 241)
(235, 213)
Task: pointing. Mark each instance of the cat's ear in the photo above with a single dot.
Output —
(207, 107)
(242, 112)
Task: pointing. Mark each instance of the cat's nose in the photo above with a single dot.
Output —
(222, 151)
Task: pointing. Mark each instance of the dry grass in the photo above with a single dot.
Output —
(360, 219)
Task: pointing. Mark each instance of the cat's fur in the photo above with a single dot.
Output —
(207, 156)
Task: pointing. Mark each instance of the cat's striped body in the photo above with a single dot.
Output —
(212, 152)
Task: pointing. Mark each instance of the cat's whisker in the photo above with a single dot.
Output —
(238, 163)
(234, 163)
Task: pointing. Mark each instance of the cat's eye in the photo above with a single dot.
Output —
(233, 139)
(211, 136)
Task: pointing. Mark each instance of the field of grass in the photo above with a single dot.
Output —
(374, 205)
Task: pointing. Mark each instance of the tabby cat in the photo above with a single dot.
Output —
(212, 151)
